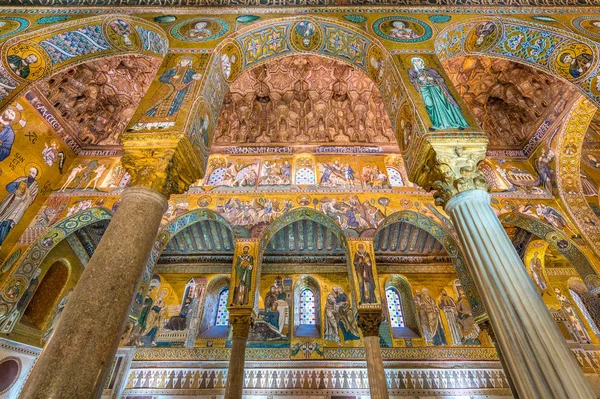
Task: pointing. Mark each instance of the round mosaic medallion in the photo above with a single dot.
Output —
(589, 25)
(306, 35)
(11, 25)
(573, 61)
(121, 34)
(199, 29)
(16, 287)
(483, 36)
(402, 29)
(231, 61)
(28, 61)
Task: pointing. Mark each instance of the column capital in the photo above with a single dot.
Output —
(369, 322)
(240, 323)
(163, 162)
(451, 168)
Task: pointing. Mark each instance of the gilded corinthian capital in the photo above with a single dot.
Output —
(162, 162)
(451, 168)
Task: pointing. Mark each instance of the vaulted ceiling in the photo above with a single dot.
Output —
(408, 240)
(509, 100)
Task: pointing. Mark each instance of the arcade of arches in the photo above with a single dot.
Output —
(276, 201)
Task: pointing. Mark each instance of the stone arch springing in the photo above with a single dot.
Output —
(170, 230)
(450, 245)
(105, 36)
(250, 49)
(560, 241)
(305, 284)
(539, 46)
(36, 253)
(410, 327)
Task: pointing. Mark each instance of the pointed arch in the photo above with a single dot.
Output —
(408, 328)
(37, 252)
(558, 240)
(537, 45)
(102, 36)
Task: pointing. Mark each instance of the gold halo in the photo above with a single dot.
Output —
(29, 165)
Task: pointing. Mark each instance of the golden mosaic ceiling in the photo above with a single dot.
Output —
(303, 100)
(509, 100)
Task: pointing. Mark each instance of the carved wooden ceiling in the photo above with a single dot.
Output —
(303, 99)
(97, 99)
(509, 100)
(406, 239)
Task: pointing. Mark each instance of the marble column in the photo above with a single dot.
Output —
(369, 323)
(240, 324)
(538, 359)
(76, 360)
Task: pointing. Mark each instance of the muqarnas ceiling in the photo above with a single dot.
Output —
(97, 99)
(509, 100)
(303, 100)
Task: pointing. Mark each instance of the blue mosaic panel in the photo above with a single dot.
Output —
(216, 177)
(307, 308)
(222, 312)
(394, 308)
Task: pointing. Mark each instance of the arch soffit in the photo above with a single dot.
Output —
(450, 244)
(556, 238)
(302, 213)
(537, 45)
(269, 40)
(45, 243)
(97, 39)
(569, 147)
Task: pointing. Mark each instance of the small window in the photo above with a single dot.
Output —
(395, 177)
(305, 176)
(222, 312)
(394, 308)
(585, 312)
(307, 308)
(216, 177)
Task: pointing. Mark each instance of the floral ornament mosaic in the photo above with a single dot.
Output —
(52, 19)
(79, 42)
(402, 29)
(12, 25)
(199, 29)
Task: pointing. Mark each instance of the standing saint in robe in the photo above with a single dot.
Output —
(432, 318)
(178, 81)
(577, 328)
(243, 276)
(7, 134)
(21, 193)
(331, 318)
(448, 306)
(56, 317)
(470, 329)
(364, 271)
(442, 108)
(536, 270)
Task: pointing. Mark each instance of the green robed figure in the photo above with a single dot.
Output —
(442, 108)
(243, 277)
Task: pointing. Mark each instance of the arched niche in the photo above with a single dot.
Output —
(248, 48)
(48, 294)
(409, 328)
(451, 246)
(51, 49)
(210, 323)
(558, 240)
(307, 290)
(35, 255)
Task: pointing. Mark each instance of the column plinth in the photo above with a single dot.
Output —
(538, 359)
(77, 359)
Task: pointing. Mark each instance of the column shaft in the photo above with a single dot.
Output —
(377, 382)
(240, 324)
(77, 359)
(539, 361)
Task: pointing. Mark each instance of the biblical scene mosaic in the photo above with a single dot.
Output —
(315, 141)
